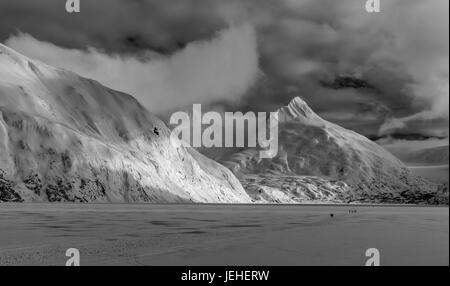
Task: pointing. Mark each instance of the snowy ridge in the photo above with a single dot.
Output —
(67, 138)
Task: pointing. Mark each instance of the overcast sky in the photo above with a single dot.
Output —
(375, 73)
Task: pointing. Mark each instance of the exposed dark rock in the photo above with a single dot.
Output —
(7, 194)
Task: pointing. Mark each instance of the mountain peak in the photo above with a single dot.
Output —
(297, 109)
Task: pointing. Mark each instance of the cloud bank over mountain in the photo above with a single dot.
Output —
(221, 68)
(400, 54)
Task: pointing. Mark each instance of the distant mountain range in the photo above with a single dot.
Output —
(432, 155)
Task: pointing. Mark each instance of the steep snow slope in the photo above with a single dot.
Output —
(67, 138)
(320, 161)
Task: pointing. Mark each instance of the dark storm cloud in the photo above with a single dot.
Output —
(112, 25)
(304, 48)
(402, 53)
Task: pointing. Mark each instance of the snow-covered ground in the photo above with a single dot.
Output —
(142, 234)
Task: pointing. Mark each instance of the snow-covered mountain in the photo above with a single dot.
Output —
(429, 156)
(319, 161)
(429, 151)
(67, 138)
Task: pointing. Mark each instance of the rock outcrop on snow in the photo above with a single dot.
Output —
(66, 138)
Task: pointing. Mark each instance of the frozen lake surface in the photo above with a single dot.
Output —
(140, 234)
